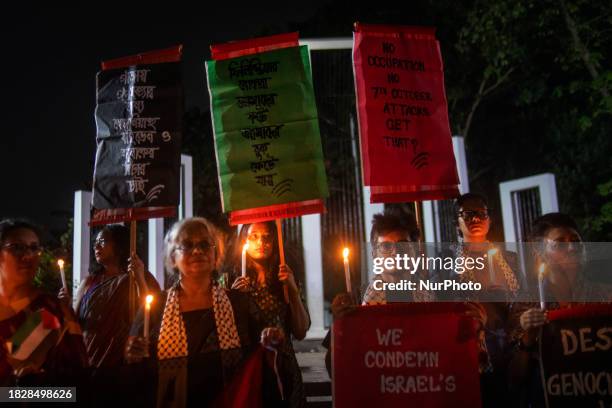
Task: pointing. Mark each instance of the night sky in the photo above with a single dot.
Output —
(50, 59)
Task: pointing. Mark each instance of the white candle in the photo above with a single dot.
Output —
(491, 257)
(147, 314)
(541, 273)
(60, 263)
(244, 255)
(347, 270)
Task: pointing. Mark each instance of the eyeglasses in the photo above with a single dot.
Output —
(390, 247)
(575, 244)
(469, 215)
(100, 242)
(254, 237)
(189, 247)
(20, 250)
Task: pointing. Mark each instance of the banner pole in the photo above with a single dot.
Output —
(424, 273)
(417, 216)
(132, 280)
(281, 252)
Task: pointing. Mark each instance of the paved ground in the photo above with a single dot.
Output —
(311, 358)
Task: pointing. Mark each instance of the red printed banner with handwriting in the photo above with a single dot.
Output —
(406, 355)
(406, 146)
(576, 356)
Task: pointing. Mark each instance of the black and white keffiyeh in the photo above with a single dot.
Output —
(172, 336)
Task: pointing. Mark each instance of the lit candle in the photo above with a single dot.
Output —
(244, 255)
(147, 314)
(347, 270)
(541, 273)
(492, 253)
(60, 263)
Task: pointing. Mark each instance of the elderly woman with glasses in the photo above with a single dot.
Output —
(40, 340)
(102, 301)
(200, 334)
(264, 282)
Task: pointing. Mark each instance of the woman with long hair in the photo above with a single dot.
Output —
(102, 299)
(264, 282)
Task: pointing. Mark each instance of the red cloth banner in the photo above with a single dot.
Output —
(249, 47)
(406, 355)
(406, 146)
(273, 212)
(116, 215)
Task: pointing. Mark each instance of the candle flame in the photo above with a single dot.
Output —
(492, 251)
(245, 247)
(345, 253)
(148, 300)
(60, 263)
(542, 269)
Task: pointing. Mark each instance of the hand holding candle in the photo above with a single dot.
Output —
(147, 315)
(60, 263)
(347, 270)
(541, 276)
(245, 247)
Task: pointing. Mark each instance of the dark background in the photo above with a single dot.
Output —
(528, 85)
(50, 59)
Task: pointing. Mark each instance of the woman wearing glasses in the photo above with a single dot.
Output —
(473, 222)
(103, 297)
(557, 243)
(264, 282)
(200, 334)
(39, 335)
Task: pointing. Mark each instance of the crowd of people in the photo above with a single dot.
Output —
(200, 336)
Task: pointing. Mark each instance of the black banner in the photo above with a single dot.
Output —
(576, 357)
(138, 120)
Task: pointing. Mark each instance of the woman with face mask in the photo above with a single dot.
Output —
(265, 281)
(40, 340)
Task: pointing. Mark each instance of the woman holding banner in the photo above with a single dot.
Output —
(560, 259)
(102, 298)
(200, 335)
(263, 279)
(40, 341)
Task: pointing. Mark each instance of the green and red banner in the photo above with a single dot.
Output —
(138, 121)
(406, 146)
(406, 355)
(576, 357)
(268, 146)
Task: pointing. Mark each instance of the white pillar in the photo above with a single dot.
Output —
(313, 267)
(461, 160)
(80, 238)
(156, 225)
(156, 245)
(431, 221)
(369, 209)
(547, 187)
